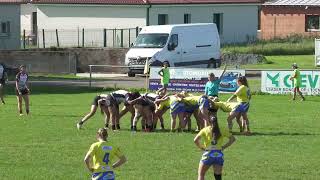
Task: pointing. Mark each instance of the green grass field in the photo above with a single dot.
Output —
(46, 144)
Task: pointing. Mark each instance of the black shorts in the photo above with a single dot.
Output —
(110, 101)
(23, 92)
(95, 100)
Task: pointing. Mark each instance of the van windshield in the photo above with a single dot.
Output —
(151, 41)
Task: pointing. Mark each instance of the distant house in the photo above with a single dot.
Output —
(237, 20)
(9, 24)
(281, 18)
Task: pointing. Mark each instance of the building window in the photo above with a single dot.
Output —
(312, 23)
(162, 19)
(5, 28)
(187, 18)
(218, 20)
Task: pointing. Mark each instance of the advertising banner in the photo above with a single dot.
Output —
(194, 79)
(278, 82)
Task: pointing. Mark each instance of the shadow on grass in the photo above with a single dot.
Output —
(283, 134)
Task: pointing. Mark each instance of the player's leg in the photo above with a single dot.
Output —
(199, 120)
(231, 116)
(117, 117)
(181, 117)
(300, 94)
(240, 122)
(137, 110)
(113, 116)
(1, 93)
(246, 124)
(93, 110)
(173, 122)
(26, 103)
(217, 170)
(202, 170)
(107, 116)
(19, 99)
(294, 93)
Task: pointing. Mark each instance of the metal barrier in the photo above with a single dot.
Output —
(111, 66)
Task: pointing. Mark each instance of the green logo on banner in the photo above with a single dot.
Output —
(274, 79)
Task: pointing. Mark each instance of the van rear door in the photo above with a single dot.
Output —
(198, 44)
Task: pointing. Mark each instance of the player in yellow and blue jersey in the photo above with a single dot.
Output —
(243, 96)
(102, 157)
(213, 145)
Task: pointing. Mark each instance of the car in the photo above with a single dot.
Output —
(229, 82)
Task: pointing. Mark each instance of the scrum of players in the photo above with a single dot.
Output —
(150, 108)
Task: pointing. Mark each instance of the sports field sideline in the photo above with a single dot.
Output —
(46, 145)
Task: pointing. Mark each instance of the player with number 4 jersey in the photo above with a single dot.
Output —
(102, 157)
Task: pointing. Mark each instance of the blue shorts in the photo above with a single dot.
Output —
(213, 157)
(177, 107)
(103, 176)
(191, 109)
(243, 107)
(204, 102)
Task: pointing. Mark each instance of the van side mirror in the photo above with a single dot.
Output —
(131, 44)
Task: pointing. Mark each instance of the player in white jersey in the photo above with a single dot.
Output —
(3, 79)
(22, 90)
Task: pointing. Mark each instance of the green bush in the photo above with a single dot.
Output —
(293, 45)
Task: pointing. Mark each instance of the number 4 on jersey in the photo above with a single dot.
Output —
(106, 158)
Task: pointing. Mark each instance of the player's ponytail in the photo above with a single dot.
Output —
(243, 80)
(216, 134)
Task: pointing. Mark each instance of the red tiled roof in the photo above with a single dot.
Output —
(131, 2)
(11, 2)
(203, 1)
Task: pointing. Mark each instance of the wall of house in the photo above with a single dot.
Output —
(239, 21)
(26, 12)
(284, 21)
(71, 19)
(10, 13)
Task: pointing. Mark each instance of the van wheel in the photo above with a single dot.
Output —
(131, 74)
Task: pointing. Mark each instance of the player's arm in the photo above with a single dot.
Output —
(122, 160)
(294, 75)
(224, 70)
(161, 100)
(232, 97)
(17, 86)
(160, 72)
(196, 141)
(232, 139)
(87, 160)
(134, 101)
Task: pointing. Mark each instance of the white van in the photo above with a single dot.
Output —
(189, 45)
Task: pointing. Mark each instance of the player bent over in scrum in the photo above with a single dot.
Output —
(94, 107)
(233, 108)
(144, 108)
(102, 157)
(213, 147)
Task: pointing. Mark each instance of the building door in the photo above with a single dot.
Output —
(34, 28)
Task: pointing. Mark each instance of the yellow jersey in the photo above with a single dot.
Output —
(166, 104)
(103, 155)
(226, 106)
(243, 94)
(209, 144)
(191, 100)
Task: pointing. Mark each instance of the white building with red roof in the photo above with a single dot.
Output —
(237, 20)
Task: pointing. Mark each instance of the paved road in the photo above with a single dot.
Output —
(119, 82)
